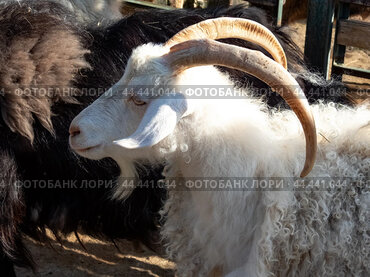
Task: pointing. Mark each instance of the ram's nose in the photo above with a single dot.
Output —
(74, 130)
(76, 136)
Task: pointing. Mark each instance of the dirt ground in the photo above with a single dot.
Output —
(100, 258)
(103, 259)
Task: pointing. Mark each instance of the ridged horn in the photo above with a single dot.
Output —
(227, 27)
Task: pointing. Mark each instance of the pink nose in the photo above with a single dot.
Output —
(74, 131)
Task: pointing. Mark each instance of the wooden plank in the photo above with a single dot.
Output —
(318, 35)
(358, 2)
(354, 33)
(148, 4)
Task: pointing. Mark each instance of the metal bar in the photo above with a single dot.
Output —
(339, 69)
(280, 6)
(318, 35)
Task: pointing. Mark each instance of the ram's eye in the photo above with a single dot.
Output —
(137, 101)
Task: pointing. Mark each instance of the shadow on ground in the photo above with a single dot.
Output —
(99, 259)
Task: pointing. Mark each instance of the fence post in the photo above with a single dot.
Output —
(318, 35)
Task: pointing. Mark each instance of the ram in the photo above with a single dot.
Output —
(291, 231)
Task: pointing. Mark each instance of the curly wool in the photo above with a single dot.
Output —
(297, 232)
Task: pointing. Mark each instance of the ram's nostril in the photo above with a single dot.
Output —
(74, 131)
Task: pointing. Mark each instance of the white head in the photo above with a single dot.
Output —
(122, 127)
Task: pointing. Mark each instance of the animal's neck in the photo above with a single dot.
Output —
(247, 146)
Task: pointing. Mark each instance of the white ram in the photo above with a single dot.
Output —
(253, 232)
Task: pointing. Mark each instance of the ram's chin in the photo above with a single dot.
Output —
(92, 153)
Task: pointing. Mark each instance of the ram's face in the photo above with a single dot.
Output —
(130, 116)
(113, 116)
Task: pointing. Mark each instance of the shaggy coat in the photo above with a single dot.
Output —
(308, 230)
(43, 47)
(317, 226)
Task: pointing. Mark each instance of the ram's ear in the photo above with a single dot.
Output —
(159, 121)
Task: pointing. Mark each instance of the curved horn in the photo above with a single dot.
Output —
(210, 52)
(227, 27)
